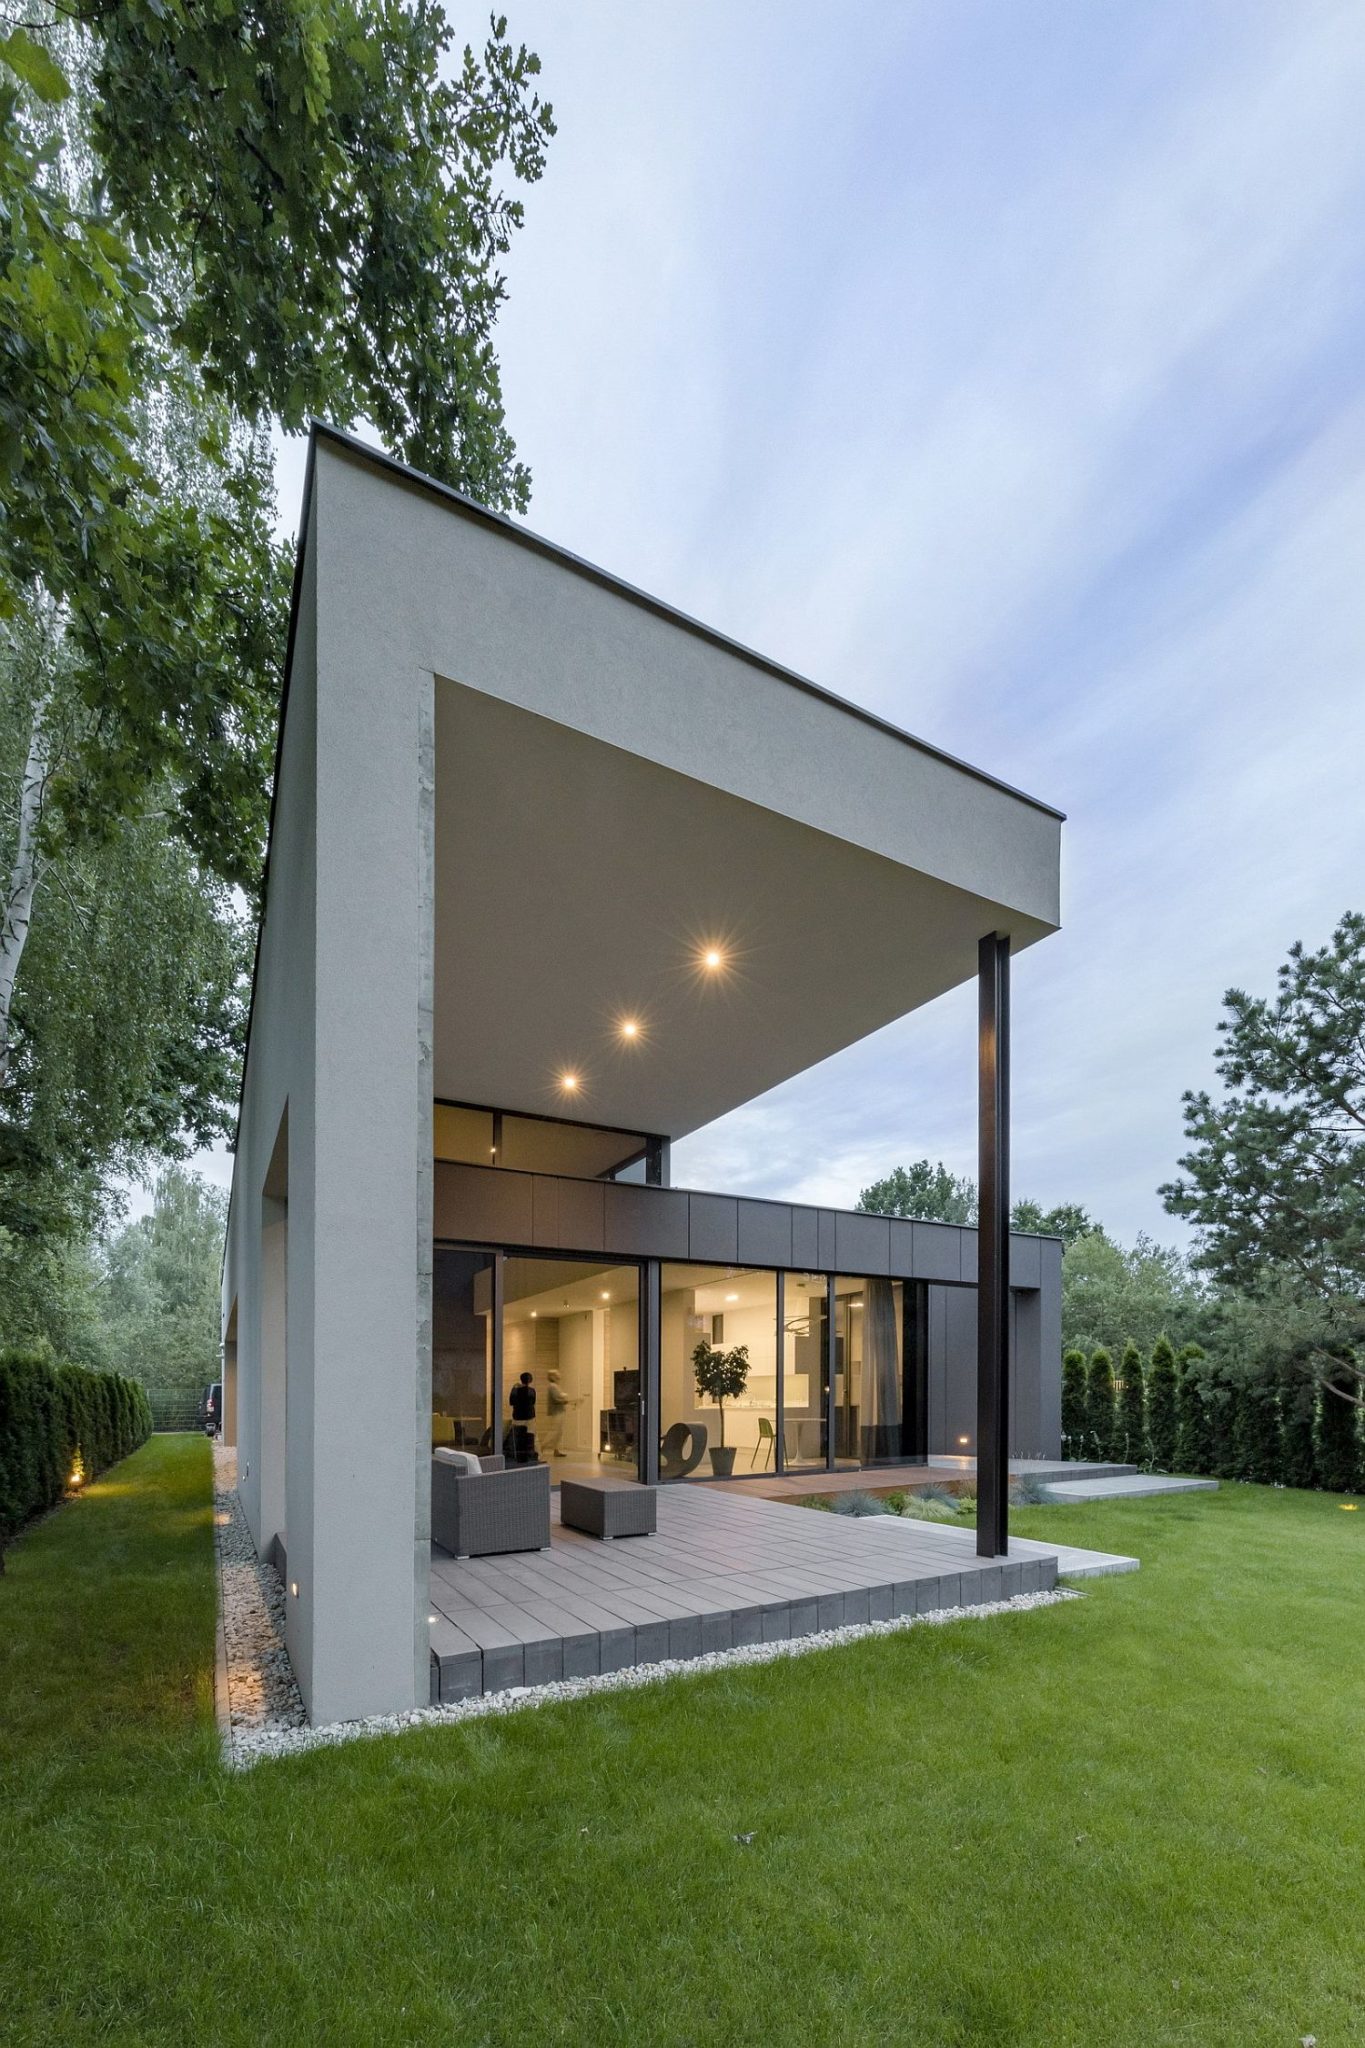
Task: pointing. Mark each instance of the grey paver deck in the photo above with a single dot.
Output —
(724, 1569)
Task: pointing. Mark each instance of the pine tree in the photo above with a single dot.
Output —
(1298, 1453)
(1162, 1391)
(1099, 1404)
(1131, 1419)
(1074, 1413)
(1338, 1443)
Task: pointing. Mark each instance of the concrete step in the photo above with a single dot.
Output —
(1044, 1469)
(1134, 1486)
(1069, 1473)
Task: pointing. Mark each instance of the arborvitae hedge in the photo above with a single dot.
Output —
(1162, 1418)
(1130, 1433)
(1074, 1423)
(1256, 1432)
(51, 1417)
(1338, 1444)
(1099, 1405)
(1298, 1451)
(1194, 1415)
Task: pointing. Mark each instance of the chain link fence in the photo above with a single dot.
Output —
(176, 1408)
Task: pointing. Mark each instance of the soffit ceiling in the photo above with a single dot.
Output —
(577, 885)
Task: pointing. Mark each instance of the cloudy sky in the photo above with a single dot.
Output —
(1001, 367)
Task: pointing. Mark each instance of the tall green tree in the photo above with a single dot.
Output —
(1298, 1420)
(1111, 1294)
(1075, 1422)
(1100, 1413)
(1130, 1427)
(1162, 1415)
(210, 221)
(1067, 1220)
(929, 1191)
(1194, 1412)
(1274, 1177)
(926, 1190)
(160, 1306)
(1256, 1425)
(1338, 1442)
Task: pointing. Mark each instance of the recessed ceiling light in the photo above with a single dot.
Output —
(606, 1294)
(568, 1082)
(534, 1313)
(732, 1297)
(629, 1028)
(712, 959)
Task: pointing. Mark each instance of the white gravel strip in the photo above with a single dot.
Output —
(262, 1693)
(252, 1745)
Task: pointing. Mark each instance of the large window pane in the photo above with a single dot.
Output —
(868, 1371)
(720, 1310)
(804, 1365)
(463, 1135)
(462, 1350)
(571, 1335)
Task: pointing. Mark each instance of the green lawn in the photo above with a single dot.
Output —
(1132, 1819)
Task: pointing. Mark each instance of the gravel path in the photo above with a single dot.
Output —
(262, 1695)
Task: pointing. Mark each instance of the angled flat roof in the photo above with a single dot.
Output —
(524, 536)
(616, 787)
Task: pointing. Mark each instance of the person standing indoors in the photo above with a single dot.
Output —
(522, 1402)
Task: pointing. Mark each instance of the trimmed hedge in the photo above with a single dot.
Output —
(1214, 1419)
(50, 1417)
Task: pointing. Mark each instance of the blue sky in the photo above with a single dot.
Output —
(1001, 367)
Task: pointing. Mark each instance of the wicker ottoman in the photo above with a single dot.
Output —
(608, 1507)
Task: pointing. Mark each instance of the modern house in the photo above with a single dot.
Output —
(557, 876)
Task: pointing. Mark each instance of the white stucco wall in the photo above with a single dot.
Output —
(398, 588)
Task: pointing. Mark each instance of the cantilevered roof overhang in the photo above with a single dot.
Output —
(618, 790)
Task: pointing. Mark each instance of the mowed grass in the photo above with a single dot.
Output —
(1135, 1818)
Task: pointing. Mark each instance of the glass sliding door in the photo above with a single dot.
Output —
(717, 1372)
(571, 1340)
(805, 1371)
(869, 1379)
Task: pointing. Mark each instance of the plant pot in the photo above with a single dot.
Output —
(723, 1461)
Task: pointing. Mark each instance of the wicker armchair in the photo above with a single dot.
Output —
(479, 1514)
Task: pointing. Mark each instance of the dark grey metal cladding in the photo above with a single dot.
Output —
(629, 1220)
(714, 1229)
(1026, 1260)
(937, 1251)
(484, 1204)
(653, 1222)
(805, 1240)
(862, 1244)
(764, 1234)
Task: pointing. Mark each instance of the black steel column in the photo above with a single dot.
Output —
(993, 1248)
(651, 1321)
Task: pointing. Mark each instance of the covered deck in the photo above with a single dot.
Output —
(725, 1569)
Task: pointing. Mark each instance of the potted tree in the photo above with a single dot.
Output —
(721, 1376)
